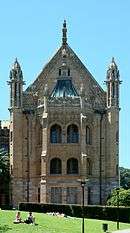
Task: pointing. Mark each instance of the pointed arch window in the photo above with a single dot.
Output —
(72, 134)
(68, 72)
(15, 94)
(108, 94)
(55, 134)
(55, 166)
(72, 166)
(113, 90)
(88, 136)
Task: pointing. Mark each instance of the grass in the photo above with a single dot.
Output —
(52, 224)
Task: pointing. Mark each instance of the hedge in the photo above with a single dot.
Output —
(94, 212)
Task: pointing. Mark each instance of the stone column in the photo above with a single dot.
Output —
(44, 159)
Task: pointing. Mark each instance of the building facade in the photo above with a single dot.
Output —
(64, 129)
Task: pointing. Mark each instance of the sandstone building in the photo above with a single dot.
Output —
(64, 129)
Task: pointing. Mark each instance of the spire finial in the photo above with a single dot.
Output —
(113, 60)
(64, 35)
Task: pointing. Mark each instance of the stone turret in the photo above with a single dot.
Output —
(16, 85)
(113, 82)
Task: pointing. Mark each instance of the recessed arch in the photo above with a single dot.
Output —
(55, 166)
(72, 134)
(72, 166)
(55, 134)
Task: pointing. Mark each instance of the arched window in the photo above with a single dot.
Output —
(59, 72)
(89, 167)
(55, 166)
(88, 136)
(72, 166)
(113, 90)
(72, 134)
(55, 134)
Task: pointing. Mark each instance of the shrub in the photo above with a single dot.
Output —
(95, 212)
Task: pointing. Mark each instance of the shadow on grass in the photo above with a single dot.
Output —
(4, 228)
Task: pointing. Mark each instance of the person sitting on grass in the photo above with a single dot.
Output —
(18, 218)
(30, 219)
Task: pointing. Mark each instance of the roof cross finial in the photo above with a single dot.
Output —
(64, 35)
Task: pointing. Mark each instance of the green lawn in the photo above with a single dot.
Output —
(52, 224)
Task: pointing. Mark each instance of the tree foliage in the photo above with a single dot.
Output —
(4, 174)
(4, 163)
(123, 197)
(125, 178)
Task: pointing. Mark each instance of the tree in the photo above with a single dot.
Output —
(124, 197)
(125, 178)
(4, 176)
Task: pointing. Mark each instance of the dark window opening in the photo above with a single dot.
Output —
(89, 167)
(117, 136)
(59, 72)
(20, 94)
(55, 134)
(38, 195)
(113, 90)
(117, 170)
(15, 93)
(11, 136)
(72, 166)
(55, 166)
(89, 196)
(72, 134)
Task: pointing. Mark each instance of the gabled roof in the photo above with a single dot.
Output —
(47, 68)
(59, 55)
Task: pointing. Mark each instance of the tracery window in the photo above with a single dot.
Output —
(72, 166)
(72, 134)
(55, 134)
(88, 136)
(55, 166)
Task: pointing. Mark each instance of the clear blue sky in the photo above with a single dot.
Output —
(97, 30)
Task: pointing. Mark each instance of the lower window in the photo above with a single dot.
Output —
(56, 195)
